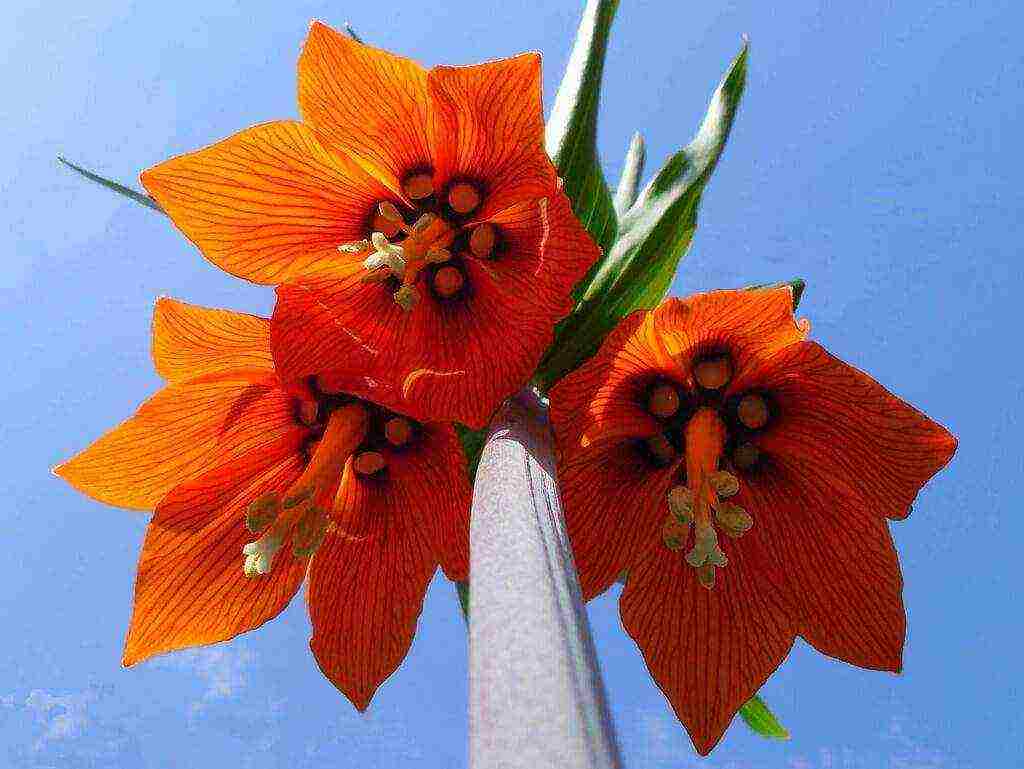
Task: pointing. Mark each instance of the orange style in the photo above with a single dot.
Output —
(740, 478)
(412, 222)
(254, 484)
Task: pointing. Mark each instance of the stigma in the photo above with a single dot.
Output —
(700, 504)
(303, 512)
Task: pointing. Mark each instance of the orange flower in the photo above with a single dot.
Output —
(413, 223)
(252, 483)
(741, 478)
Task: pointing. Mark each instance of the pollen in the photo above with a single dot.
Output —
(663, 401)
(302, 513)
(713, 373)
(752, 411)
(463, 198)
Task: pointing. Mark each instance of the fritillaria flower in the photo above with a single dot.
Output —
(740, 477)
(412, 222)
(255, 485)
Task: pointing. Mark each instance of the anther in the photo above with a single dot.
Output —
(753, 411)
(448, 281)
(262, 512)
(368, 462)
(463, 198)
(419, 186)
(438, 255)
(735, 521)
(663, 401)
(389, 211)
(406, 297)
(661, 449)
(724, 483)
(680, 503)
(674, 533)
(482, 239)
(355, 247)
(712, 373)
(745, 456)
(398, 431)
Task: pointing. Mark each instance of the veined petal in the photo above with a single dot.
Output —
(750, 324)
(370, 104)
(189, 340)
(489, 129)
(615, 504)
(841, 428)
(709, 651)
(190, 588)
(173, 436)
(366, 587)
(428, 482)
(840, 566)
(269, 203)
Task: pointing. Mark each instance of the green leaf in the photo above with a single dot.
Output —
(653, 236)
(761, 720)
(797, 284)
(352, 33)
(472, 446)
(571, 131)
(462, 589)
(120, 189)
(632, 170)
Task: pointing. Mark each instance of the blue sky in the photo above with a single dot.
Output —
(876, 154)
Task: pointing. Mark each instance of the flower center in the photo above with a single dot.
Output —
(396, 252)
(303, 511)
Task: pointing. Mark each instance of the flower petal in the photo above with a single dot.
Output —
(189, 340)
(269, 203)
(709, 651)
(489, 128)
(749, 324)
(429, 483)
(449, 360)
(366, 587)
(368, 103)
(840, 427)
(840, 565)
(615, 503)
(190, 588)
(175, 435)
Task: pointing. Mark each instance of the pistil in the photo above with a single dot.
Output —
(303, 511)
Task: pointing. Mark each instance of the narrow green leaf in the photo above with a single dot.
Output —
(571, 131)
(128, 192)
(352, 33)
(632, 170)
(462, 589)
(797, 284)
(653, 236)
(472, 446)
(761, 720)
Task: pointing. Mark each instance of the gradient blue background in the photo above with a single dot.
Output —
(877, 154)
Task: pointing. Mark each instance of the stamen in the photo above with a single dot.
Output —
(438, 255)
(724, 483)
(482, 240)
(368, 462)
(355, 247)
(663, 401)
(303, 511)
(674, 533)
(406, 297)
(705, 438)
(734, 519)
(448, 281)
(680, 503)
(463, 198)
(745, 456)
(398, 431)
(753, 411)
(712, 373)
(389, 211)
(419, 186)
(386, 226)
(422, 223)
(308, 412)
